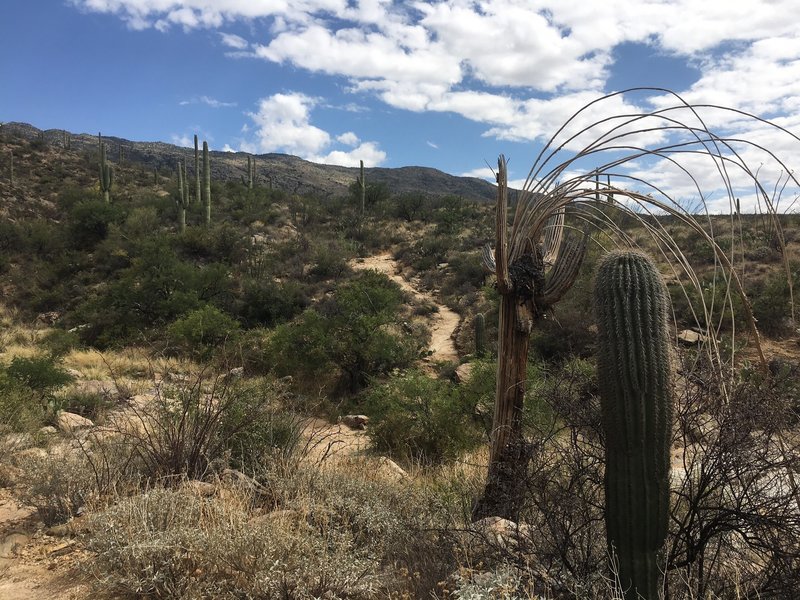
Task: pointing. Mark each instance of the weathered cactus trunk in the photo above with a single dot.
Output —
(633, 364)
(362, 184)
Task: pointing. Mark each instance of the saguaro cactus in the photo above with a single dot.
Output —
(362, 184)
(196, 173)
(633, 367)
(106, 172)
(251, 169)
(207, 182)
(183, 195)
(11, 167)
(480, 335)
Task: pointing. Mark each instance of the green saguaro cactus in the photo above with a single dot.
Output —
(183, 195)
(480, 335)
(11, 167)
(207, 182)
(251, 169)
(196, 173)
(106, 172)
(633, 368)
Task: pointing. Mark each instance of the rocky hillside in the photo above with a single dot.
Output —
(282, 171)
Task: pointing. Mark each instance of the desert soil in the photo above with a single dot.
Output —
(442, 323)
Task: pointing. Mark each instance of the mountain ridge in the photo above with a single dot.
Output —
(281, 171)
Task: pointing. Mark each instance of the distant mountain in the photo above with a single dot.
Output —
(282, 171)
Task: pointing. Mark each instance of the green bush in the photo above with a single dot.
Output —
(200, 331)
(59, 342)
(39, 373)
(20, 407)
(88, 222)
(420, 419)
(348, 338)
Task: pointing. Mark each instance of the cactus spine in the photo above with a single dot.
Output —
(207, 182)
(183, 195)
(633, 368)
(363, 185)
(106, 172)
(480, 335)
(196, 172)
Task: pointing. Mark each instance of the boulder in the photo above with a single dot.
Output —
(14, 442)
(500, 532)
(355, 421)
(70, 423)
(463, 372)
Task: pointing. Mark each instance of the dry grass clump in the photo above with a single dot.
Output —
(323, 534)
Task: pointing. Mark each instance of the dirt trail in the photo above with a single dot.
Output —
(34, 566)
(443, 323)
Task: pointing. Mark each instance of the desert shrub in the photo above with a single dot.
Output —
(39, 373)
(201, 331)
(88, 222)
(268, 303)
(57, 488)
(420, 419)
(771, 305)
(219, 243)
(192, 428)
(59, 342)
(20, 407)
(85, 403)
(349, 337)
(142, 221)
(174, 544)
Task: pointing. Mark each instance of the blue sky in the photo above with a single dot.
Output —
(443, 83)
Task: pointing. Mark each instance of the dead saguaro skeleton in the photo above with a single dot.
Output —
(538, 259)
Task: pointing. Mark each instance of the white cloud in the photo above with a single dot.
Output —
(212, 102)
(348, 139)
(234, 41)
(519, 67)
(283, 124)
(432, 145)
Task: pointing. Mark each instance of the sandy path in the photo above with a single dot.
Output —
(442, 323)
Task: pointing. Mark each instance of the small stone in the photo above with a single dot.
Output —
(48, 430)
(355, 421)
(691, 338)
(236, 373)
(391, 470)
(16, 441)
(12, 544)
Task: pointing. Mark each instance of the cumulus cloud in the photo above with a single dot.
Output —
(283, 124)
(518, 67)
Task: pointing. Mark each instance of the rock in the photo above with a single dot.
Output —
(463, 372)
(200, 488)
(19, 459)
(70, 423)
(691, 338)
(500, 532)
(355, 421)
(12, 543)
(48, 430)
(14, 442)
(178, 377)
(48, 318)
(236, 373)
(391, 470)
